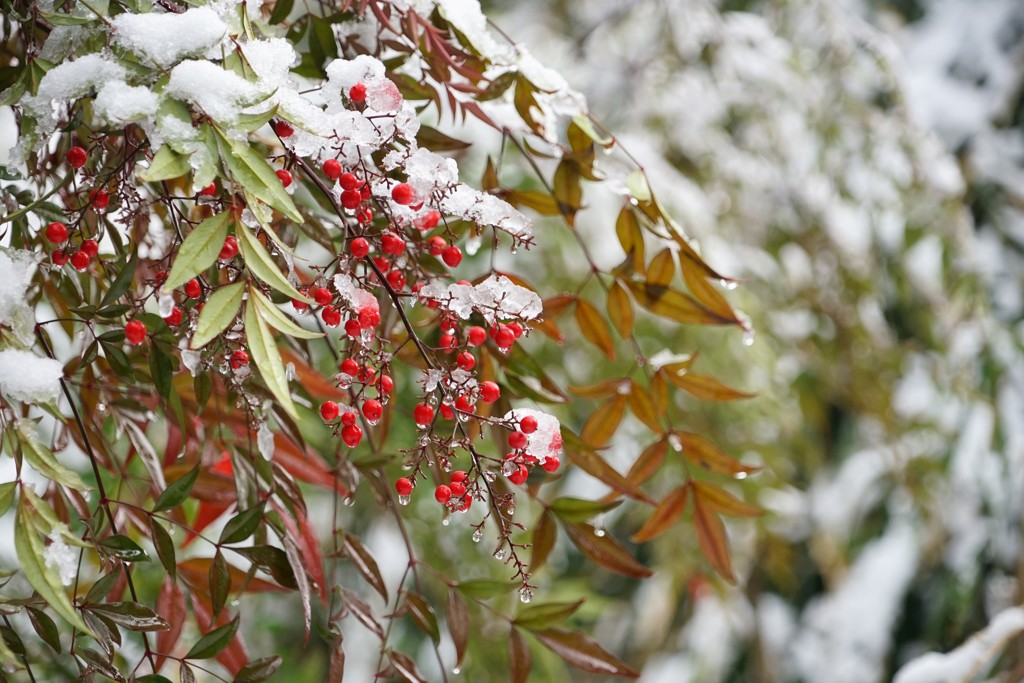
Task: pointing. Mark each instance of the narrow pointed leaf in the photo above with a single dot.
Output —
(458, 623)
(199, 250)
(542, 616)
(594, 327)
(601, 425)
(132, 616)
(277, 319)
(583, 652)
(620, 310)
(214, 641)
(708, 388)
(267, 358)
(605, 550)
(166, 164)
(667, 512)
(258, 260)
(520, 659)
(712, 539)
(177, 492)
(251, 171)
(721, 500)
(218, 312)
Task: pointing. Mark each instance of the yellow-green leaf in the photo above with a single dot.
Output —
(662, 268)
(267, 358)
(43, 460)
(166, 164)
(218, 312)
(594, 327)
(199, 250)
(278, 320)
(258, 260)
(601, 425)
(251, 171)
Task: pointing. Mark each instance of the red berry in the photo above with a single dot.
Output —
(463, 405)
(59, 257)
(332, 169)
(239, 358)
(467, 503)
(504, 338)
(329, 411)
(209, 191)
(351, 199)
(174, 319)
(99, 199)
(230, 248)
(519, 476)
(551, 463)
(387, 385)
(322, 295)
(423, 414)
(349, 181)
(528, 425)
(366, 373)
(353, 328)
(351, 435)
(429, 221)
(402, 194)
(193, 290)
(447, 341)
(403, 486)
(458, 488)
(518, 440)
(135, 332)
(284, 176)
(447, 412)
(436, 245)
(80, 260)
(466, 361)
(476, 335)
(516, 329)
(489, 392)
(77, 157)
(349, 418)
(283, 129)
(331, 316)
(364, 191)
(392, 244)
(359, 247)
(396, 279)
(372, 410)
(90, 247)
(381, 262)
(300, 305)
(349, 366)
(452, 256)
(57, 232)
(442, 494)
(369, 317)
(459, 475)
(364, 215)
(357, 93)
(447, 324)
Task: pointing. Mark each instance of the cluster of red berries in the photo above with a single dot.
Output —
(372, 409)
(80, 258)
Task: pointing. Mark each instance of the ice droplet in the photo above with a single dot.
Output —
(477, 535)
(446, 521)
(675, 442)
(525, 595)
(372, 423)
(599, 532)
(166, 305)
(456, 671)
(499, 554)
(404, 500)
(504, 349)
(730, 284)
(748, 337)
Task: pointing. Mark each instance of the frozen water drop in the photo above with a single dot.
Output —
(675, 442)
(748, 338)
(404, 500)
(477, 535)
(730, 284)
(456, 671)
(446, 521)
(599, 532)
(166, 305)
(525, 595)
(499, 554)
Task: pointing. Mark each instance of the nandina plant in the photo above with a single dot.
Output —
(242, 276)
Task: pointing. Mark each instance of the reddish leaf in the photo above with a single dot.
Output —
(363, 613)
(620, 310)
(195, 573)
(584, 653)
(708, 388)
(365, 563)
(422, 615)
(649, 462)
(302, 532)
(544, 533)
(458, 623)
(601, 425)
(712, 539)
(306, 465)
(605, 550)
(170, 604)
(706, 454)
(594, 327)
(519, 658)
(667, 512)
(721, 500)
(593, 464)
(206, 514)
(406, 668)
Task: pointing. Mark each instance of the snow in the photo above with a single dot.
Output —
(486, 209)
(26, 377)
(968, 660)
(61, 558)
(358, 298)
(70, 80)
(164, 38)
(220, 94)
(15, 277)
(265, 441)
(496, 298)
(120, 103)
(547, 440)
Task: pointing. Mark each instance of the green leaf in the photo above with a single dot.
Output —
(43, 579)
(43, 460)
(262, 266)
(122, 547)
(44, 627)
(267, 358)
(214, 641)
(132, 616)
(251, 171)
(282, 8)
(176, 493)
(242, 525)
(61, 19)
(164, 546)
(153, 678)
(250, 122)
(166, 164)
(199, 250)
(220, 583)
(546, 615)
(161, 369)
(275, 318)
(217, 314)
(579, 510)
(272, 560)
(101, 589)
(258, 670)
(7, 496)
(119, 286)
(423, 615)
(482, 589)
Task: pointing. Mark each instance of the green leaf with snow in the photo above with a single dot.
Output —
(199, 250)
(267, 358)
(217, 314)
(251, 171)
(43, 461)
(166, 164)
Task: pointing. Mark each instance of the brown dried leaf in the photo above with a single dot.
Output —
(717, 498)
(674, 305)
(605, 550)
(707, 388)
(662, 269)
(705, 292)
(601, 426)
(703, 453)
(642, 405)
(544, 534)
(649, 462)
(458, 623)
(620, 310)
(712, 539)
(594, 327)
(593, 464)
(519, 657)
